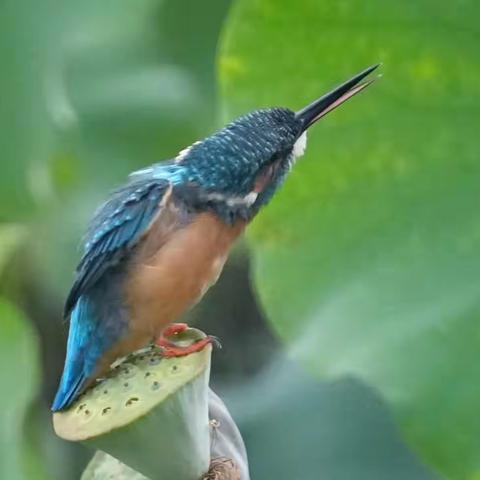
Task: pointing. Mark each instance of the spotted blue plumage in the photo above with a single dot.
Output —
(114, 229)
(229, 160)
(98, 317)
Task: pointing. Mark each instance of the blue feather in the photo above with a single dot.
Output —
(115, 229)
(98, 321)
(78, 367)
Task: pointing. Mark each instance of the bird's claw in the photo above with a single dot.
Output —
(215, 341)
(171, 350)
(174, 329)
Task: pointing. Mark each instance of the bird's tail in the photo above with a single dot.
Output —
(77, 369)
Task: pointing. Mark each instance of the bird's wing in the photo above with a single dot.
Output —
(116, 228)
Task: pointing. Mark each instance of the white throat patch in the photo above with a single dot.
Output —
(300, 145)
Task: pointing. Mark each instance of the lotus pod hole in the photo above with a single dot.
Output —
(131, 390)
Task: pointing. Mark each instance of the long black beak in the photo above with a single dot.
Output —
(328, 102)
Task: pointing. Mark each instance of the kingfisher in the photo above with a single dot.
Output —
(160, 241)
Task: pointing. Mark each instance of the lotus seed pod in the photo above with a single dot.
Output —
(150, 413)
(228, 457)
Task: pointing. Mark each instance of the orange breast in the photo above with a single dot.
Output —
(174, 269)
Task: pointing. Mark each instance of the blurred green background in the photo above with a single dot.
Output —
(350, 315)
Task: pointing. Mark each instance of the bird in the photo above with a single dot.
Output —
(160, 241)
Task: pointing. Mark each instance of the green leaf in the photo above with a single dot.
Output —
(10, 237)
(102, 88)
(18, 381)
(336, 430)
(367, 261)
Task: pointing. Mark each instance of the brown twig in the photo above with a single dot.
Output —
(222, 469)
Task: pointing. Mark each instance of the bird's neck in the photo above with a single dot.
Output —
(228, 208)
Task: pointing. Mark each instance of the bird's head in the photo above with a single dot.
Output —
(236, 171)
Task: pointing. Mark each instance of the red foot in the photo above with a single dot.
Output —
(173, 329)
(165, 338)
(170, 350)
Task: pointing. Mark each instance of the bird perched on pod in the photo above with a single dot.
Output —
(158, 243)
